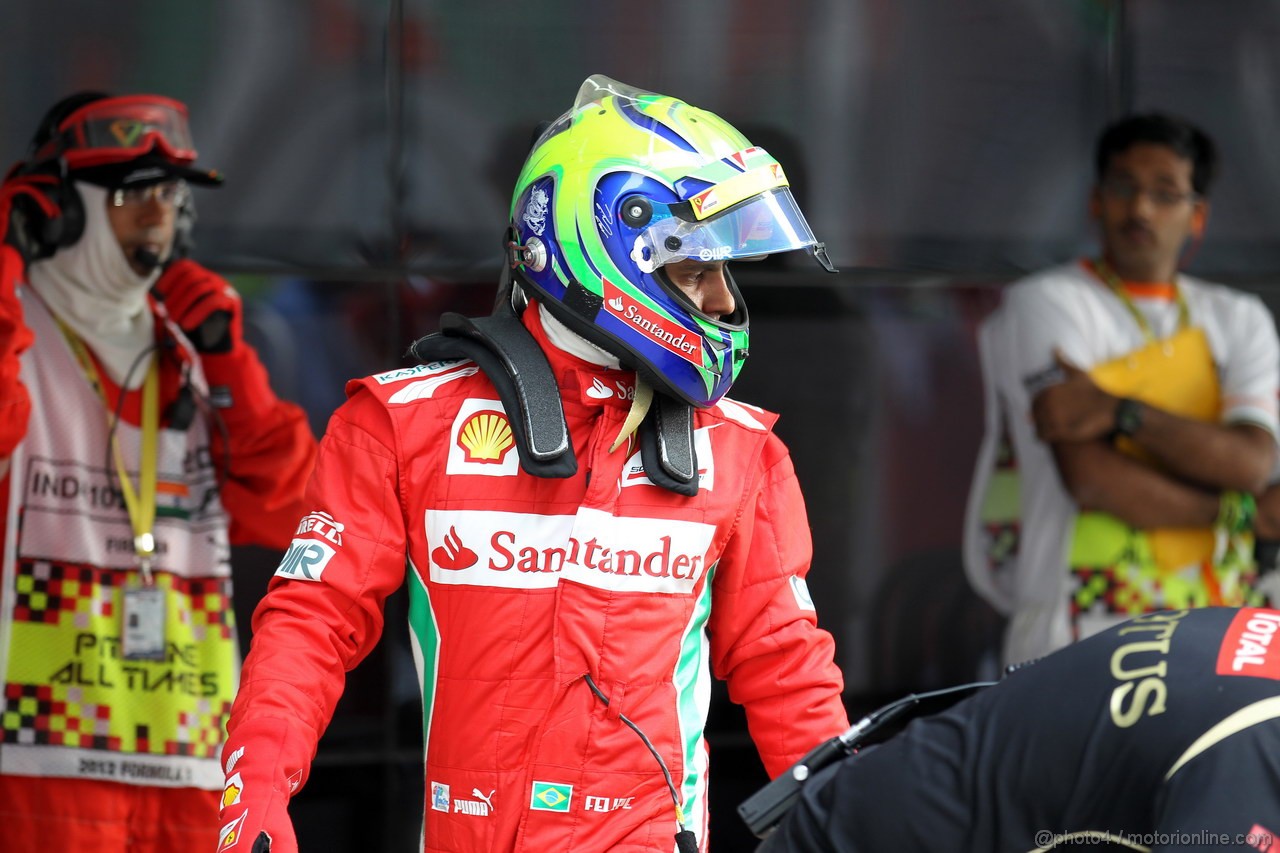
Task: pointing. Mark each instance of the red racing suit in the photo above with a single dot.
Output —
(524, 592)
(265, 451)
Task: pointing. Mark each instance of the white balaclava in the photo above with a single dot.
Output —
(571, 342)
(91, 287)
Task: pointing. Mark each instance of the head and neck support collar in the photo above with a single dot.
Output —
(504, 349)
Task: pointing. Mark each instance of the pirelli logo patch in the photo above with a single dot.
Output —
(1250, 646)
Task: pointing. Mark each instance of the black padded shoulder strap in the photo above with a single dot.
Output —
(666, 446)
(503, 348)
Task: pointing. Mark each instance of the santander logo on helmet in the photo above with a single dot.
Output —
(626, 182)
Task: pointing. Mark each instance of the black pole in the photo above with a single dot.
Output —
(396, 129)
(393, 817)
(1120, 60)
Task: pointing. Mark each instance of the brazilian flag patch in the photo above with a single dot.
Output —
(550, 797)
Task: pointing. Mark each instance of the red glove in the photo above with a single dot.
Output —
(256, 796)
(204, 305)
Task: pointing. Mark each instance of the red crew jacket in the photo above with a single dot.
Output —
(266, 450)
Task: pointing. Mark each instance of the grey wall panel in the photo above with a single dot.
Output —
(1219, 65)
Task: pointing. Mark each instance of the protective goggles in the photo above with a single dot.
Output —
(114, 130)
(167, 193)
(764, 225)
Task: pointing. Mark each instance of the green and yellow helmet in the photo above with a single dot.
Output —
(625, 182)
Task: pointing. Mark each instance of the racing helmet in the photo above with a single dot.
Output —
(620, 185)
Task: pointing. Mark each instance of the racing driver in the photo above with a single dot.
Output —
(587, 526)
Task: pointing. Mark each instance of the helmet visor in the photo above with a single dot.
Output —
(764, 225)
(113, 130)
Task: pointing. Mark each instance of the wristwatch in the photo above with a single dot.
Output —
(1128, 416)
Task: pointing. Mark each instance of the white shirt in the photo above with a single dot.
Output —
(1069, 310)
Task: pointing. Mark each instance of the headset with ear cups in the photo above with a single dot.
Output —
(65, 229)
(51, 234)
(39, 235)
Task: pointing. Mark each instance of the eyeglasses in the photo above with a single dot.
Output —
(113, 130)
(169, 194)
(1121, 189)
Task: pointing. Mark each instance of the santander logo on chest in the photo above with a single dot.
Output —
(525, 551)
(617, 390)
(1250, 646)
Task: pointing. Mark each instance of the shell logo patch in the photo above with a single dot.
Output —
(231, 793)
(486, 437)
(481, 441)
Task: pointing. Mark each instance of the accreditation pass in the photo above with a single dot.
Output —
(144, 616)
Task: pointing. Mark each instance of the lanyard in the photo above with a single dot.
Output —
(140, 502)
(1108, 275)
